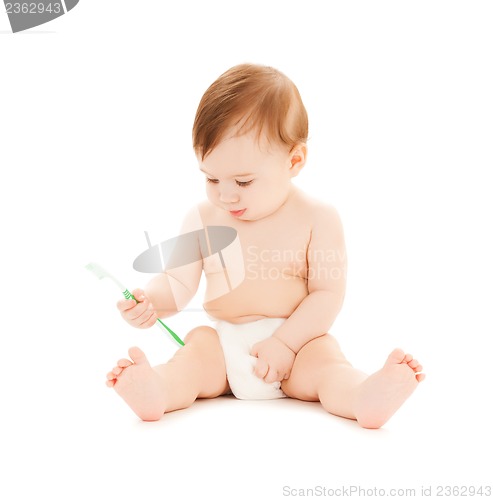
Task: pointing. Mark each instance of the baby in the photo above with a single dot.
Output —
(275, 291)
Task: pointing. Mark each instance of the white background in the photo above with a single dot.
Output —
(96, 110)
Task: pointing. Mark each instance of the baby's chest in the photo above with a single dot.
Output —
(277, 257)
(284, 251)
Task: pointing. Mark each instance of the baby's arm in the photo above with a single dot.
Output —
(315, 314)
(168, 292)
(326, 283)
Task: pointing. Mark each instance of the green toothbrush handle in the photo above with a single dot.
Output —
(177, 339)
(173, 334)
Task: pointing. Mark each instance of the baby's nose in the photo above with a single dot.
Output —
(229, 196)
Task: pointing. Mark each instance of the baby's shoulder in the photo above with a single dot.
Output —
(195, 218)
(319, 211)
(202, 214)
(208, 213)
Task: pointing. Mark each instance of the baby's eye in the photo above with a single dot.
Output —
(214, 181)
(244, 184)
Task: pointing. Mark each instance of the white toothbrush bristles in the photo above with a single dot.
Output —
(101, 273)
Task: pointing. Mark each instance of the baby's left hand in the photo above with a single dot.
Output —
(275, 360)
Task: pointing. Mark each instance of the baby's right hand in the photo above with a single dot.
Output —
(139, 314)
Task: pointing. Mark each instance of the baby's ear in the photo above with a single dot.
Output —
(297, 158)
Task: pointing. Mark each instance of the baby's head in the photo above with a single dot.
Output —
(249, 137)
(248, 98)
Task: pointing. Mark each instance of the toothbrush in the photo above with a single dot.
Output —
(101, 273)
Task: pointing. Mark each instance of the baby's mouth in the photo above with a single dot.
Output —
(237, 213)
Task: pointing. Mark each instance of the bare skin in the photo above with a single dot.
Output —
(294, 261)
(199, 366)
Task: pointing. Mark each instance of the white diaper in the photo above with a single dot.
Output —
(237, 341)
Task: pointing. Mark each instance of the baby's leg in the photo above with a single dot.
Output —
(322, 373)
(197, 370)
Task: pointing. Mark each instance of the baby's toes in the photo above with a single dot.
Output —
(408, 358)
(416, 366)
(110, 379)
(117, 370)
(413, 364)
(124, 363)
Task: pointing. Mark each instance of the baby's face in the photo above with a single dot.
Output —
(247, 179)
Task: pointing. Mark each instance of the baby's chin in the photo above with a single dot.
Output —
(250, 216)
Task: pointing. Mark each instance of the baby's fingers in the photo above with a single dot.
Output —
(261, 368)
(124, 304)
(147, 319)
(272, 376)
(140, 313)
(139, 294)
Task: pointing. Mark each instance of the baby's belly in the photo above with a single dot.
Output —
(259, 299)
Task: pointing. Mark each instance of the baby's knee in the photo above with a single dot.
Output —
(202, 335)
(325, 348)
(203, 350)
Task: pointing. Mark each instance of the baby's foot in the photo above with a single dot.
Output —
(139, 385)
(382, 393)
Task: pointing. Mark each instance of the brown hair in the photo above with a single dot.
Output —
(258, 97)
